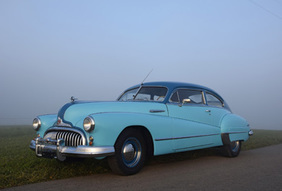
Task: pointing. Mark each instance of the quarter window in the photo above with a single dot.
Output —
(193, 96)
(213, 100)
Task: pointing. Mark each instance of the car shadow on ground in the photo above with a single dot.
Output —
(188, 155)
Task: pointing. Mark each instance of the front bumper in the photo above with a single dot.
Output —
(56, 149)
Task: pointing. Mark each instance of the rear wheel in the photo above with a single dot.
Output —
(130, 153)
(233, 149)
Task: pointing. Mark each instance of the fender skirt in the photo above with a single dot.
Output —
(225, 138)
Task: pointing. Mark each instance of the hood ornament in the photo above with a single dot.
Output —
(73, 99)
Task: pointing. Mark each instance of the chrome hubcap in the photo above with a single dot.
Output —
(235, 146)
(131, 152)
(128, 152)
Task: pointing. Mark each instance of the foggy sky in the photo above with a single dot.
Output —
(93, 50)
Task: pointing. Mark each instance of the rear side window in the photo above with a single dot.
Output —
(212, 100)
(191, 96)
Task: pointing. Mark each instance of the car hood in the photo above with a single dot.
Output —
(74, 112)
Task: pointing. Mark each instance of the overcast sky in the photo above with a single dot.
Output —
(93, 50)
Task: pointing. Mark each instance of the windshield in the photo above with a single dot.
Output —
(156, 94)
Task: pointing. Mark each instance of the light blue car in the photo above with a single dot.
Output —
(150, 119)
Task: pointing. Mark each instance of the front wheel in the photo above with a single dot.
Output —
(130, 153)
(233, 149)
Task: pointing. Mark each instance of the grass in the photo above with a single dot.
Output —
(19, 165)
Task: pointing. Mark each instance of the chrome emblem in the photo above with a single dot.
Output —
(60, 123)
(73, 99)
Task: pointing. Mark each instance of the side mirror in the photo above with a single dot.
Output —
(186, 101)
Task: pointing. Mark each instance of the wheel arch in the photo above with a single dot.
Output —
(225, 137)
(146, 135)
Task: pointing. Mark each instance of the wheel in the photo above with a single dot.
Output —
(233, 149)
(130, 153)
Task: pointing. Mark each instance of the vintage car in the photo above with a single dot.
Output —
(149, 119)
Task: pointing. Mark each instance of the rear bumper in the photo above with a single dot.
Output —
(56, 149)
(251, 133)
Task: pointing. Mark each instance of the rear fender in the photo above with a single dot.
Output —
(234, 128)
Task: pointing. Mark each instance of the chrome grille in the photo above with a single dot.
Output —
(71, 138)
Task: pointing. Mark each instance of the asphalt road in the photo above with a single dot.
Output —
(259, 169)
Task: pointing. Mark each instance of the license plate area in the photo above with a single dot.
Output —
(48, 148)
(45, 149)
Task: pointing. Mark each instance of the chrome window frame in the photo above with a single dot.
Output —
(221, 101)
(190, 89)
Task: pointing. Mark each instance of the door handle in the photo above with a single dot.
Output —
(156, 111)
(208, 110)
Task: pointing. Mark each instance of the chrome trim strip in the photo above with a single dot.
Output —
(188, 137)
(237, 132)
(156, 111)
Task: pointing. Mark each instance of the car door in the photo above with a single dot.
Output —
(191, 120)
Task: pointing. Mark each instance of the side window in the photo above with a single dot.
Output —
(213, 100)
(194, 96)
(174, 97)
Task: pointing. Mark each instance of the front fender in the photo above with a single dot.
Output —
(108, 127)
(47, 121)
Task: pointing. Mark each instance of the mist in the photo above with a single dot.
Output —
(94, 50)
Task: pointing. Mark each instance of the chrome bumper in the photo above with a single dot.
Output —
(56, 149)
(251, 133)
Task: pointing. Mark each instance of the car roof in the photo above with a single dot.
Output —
(175, 85)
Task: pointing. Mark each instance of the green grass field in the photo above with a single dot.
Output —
(19, 165)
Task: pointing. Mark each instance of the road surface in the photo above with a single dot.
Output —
(259, 169)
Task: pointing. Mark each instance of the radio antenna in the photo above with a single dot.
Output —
(134, 96)
(147, 77)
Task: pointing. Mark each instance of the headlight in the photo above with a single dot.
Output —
(36, 124)
(88, 124)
